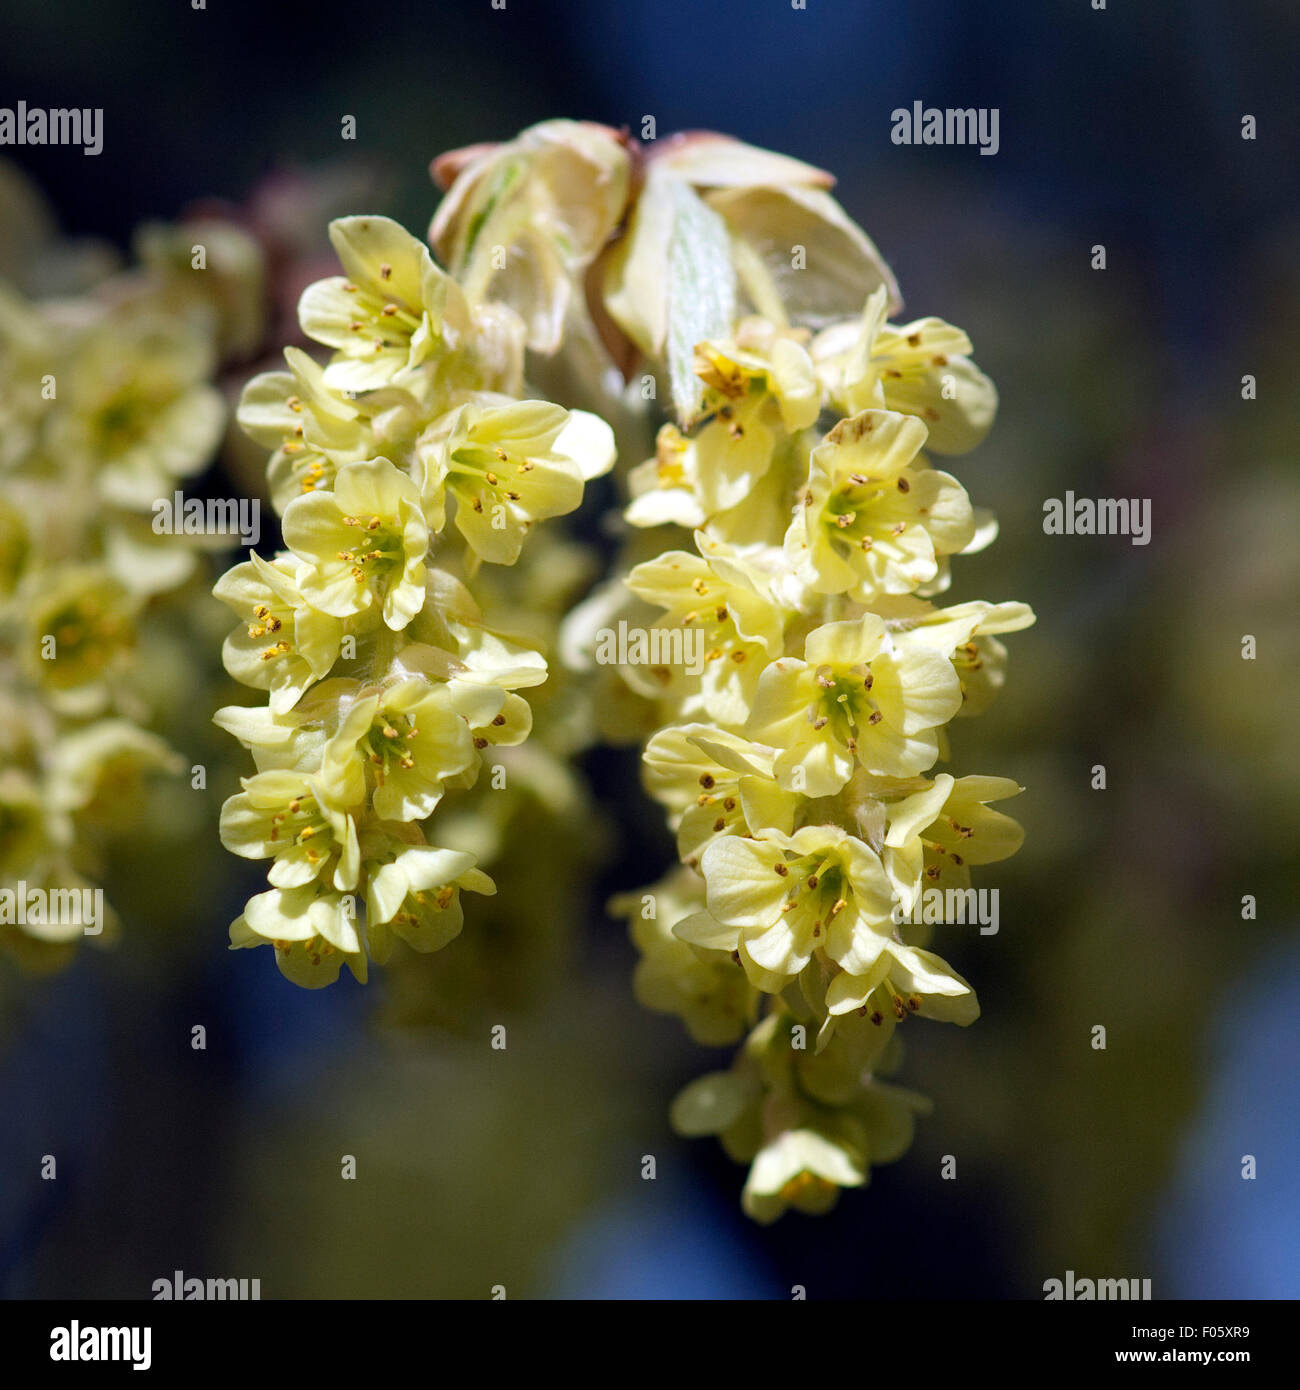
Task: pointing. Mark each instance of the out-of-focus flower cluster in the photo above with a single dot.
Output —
(785, 649)
(107, 404)
(401, 465)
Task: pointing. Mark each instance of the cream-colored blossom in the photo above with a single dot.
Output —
(936, 834)
(728, 602)
(282, 644)
(312, 928)
(416, 896)
(919, 368)
(779, 899)
(364, 543)
(405, 741)
(756, 390)
(503, 466)
(98, 772)
(857, 699)
(140, 409)
(312, 429)
(714, 783)
(294, 820)
(872, 519)
(965, 632)
(391, 311)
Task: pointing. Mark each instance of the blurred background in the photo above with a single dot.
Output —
(521, 1168)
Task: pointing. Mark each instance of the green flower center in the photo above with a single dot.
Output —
(391, 744)
(843, 704)
(379, 551)
(382, 323)
(853, 513)
(818, 885)
(476, 472)
(301, 823)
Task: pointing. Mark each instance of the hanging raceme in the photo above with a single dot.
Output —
(797, 768)
(387, 691)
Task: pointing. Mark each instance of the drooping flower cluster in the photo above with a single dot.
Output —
(798, 768)
(400, 465)
(795, 751)
(107, 403)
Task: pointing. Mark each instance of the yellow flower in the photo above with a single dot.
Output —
(282, 643)
(312, 429)
(858, 699)
(507, 468)
(726, 605)
(140, 409)
(936, 834)
(81, 630)
(872, 521)
(714, 783)
(364, 543)
(800, 1168)
(312, 928)
(805, 1136)
(98, 772)
(32, 829)
(293, 739)
(756, 391)
(416, 896)
(918, 368)
(393, 310)
(292, 819)
(408, 740)
(965, 634)
(902, 980)
(779, 899)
